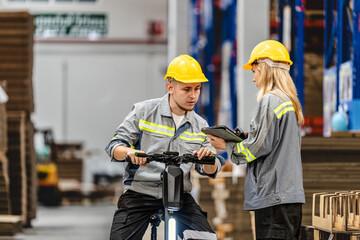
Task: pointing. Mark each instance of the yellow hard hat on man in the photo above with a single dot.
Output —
(271, 49)
(185, 69)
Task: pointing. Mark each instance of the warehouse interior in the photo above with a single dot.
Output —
(71, 70)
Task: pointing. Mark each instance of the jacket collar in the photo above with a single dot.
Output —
(166, 111)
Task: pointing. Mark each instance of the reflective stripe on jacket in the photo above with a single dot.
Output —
(151, 128)
(272, 151)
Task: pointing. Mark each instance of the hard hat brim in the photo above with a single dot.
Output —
(247, 66)
(193, 81)
(188, 80)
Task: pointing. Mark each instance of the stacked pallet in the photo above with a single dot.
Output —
(70, 168)
(323, 235)
(329, 165)
(4, 185)
(17, 164)
(10, 225)
(69, 161)
(3, 123)
(4, 178)
(336, 214)
(223, 200)
(70, 171)
(16, 63)
(31, 176)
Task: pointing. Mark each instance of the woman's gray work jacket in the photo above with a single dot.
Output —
(272, 151)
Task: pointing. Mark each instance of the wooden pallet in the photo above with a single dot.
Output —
(347, 134)
(324, 235)
(4, 185)
(16, 45)
(17, 163)
(336, 212)
(10, 225)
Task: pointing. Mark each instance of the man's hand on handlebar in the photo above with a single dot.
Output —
(134, 159)
(203, 152)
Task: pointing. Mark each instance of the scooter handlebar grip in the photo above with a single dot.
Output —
(210, 160)
(128, 158)
(141, 154)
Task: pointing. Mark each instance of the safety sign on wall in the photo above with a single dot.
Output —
(76, 25)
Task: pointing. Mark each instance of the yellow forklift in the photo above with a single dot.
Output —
(47, 177)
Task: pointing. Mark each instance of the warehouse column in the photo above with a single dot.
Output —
(178, 28)
(252, 28)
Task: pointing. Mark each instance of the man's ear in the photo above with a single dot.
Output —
(170, 87)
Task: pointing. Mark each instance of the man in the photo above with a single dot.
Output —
(156, 126)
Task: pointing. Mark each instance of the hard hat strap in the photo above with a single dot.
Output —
(271, 63)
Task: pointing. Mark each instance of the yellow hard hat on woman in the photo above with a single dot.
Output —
(185, 69)
(270, 49)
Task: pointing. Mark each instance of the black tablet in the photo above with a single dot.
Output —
(223, 132)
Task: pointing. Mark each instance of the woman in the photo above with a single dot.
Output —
(273, 185)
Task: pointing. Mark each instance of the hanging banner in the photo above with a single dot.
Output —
(75, 25)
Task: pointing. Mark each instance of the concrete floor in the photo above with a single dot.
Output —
(78, 222)
(74, 222)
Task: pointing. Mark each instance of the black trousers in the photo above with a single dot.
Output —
(279, 222)
(132, 217)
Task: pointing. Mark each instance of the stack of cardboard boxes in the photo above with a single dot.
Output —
(16, 136)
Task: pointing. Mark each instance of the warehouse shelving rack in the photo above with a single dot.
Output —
(297, 40)
(356, 47)
(337, 33)
(342, 43)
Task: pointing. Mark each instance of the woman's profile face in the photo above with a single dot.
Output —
(257, 74)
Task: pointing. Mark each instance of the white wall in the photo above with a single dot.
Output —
(84, 91)
(127, 18)
(252, 28)
(102, 83)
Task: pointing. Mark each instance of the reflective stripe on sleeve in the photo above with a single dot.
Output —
(282, 109)
(132, 146)
(241, 149)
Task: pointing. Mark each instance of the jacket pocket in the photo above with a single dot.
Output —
(121, 216)
(250, 187)
(151, 142)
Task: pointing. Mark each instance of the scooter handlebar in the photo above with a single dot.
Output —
(174, 158)
(141, 154)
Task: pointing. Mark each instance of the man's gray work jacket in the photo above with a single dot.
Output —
(150, 127)
(272, 151)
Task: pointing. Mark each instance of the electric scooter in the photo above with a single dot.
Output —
(173, 187)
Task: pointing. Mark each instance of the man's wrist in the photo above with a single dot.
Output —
(212, 169)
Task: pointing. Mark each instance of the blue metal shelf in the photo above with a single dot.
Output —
(356, 48)
(342, 25)
(297, 41)
(342, 51)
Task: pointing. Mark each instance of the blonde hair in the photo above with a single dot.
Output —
(274, 77)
